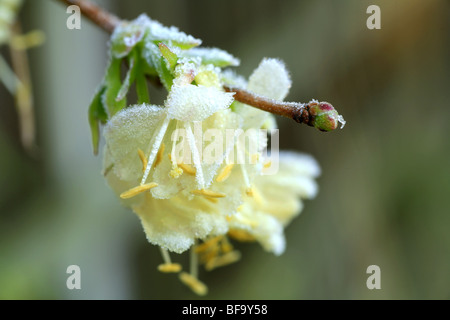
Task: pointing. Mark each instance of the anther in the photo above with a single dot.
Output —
(137, 190)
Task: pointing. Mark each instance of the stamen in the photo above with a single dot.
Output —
(258, 197)
(226, 245)
(176, 172)
(225, 173)
(169, 268)
(241, 235)
(210, 254)
(195, 155)
(255, 158)
(249, 192)
(196, 285)
(209, 193)
(242, 165)
(137, 190)
(268, 164)
(187, 168)
(156, 142)
(165, 255)
(208, 244)
(194, 262)
(223, 260)
(160, 154)
(143, 159)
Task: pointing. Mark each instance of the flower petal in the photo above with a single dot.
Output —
(271, 79)
(196, 103)
(127, 131)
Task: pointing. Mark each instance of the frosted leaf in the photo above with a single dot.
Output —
(196, 103)
(159, 32)
(126, 132)
(125, 37)
(270, 79)
(215, 56)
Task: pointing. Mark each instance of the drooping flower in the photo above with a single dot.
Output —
(195, 169)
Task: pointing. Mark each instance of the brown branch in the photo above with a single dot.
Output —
(292, 110)
(302, 113)
(97, 15)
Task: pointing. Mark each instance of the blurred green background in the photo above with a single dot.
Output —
(384, 192)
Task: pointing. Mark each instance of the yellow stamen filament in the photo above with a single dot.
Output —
(169, 268)
(258, 197)
(213, 200)
(143, 159)
(210, 254)
(188, 169)
(208, 244)
(196, 285)
(226, 245)
(209, 193)
(223, 260)
(241, 235)
(225, 173)
(159, 155)
(137, 190)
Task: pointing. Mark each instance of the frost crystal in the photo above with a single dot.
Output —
(196, 103)
(270, 79)
(215, 56)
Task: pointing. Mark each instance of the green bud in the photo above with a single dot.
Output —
(324, 117)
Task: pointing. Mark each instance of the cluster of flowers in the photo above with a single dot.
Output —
(184, 200)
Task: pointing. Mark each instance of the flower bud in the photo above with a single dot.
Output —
(324, 117)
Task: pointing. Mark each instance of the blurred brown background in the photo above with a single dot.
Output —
(384, 192)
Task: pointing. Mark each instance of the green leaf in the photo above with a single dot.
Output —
(154, 58)
(113, 84)
(157, 33)
(171, 57)
(97, 115)
(131, 75)
(125, 38)
(141, 88)
(214, 56)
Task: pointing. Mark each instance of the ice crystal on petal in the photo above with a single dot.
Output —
(270, 79)
(196, 103)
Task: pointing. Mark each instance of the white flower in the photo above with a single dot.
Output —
(276, 200)
(181, 202)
